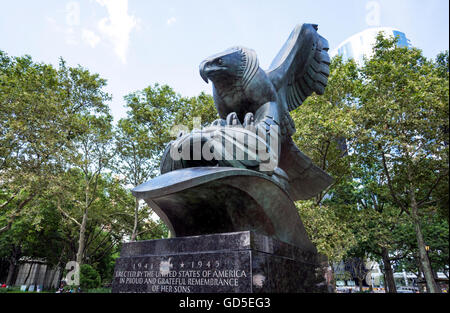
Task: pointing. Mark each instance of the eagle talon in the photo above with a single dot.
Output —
(219, 122)
(232, 119)
(249, 120)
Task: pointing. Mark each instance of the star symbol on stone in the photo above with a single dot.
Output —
(182, 264)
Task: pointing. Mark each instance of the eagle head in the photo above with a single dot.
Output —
(237, 63)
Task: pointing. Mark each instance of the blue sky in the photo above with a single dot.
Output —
(135, 43)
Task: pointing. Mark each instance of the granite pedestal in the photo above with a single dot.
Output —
(238, 262)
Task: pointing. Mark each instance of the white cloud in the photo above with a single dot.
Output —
(171, 21)
(71, 38)
(73, 13)
(118, 25)
(50, 20)
(69, 33)
(90, 37)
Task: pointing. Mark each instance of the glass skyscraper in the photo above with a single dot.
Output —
(361, 44)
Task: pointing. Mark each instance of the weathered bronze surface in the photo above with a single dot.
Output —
(217, 194)
(207, 200)
(247, 97)
(229, 189)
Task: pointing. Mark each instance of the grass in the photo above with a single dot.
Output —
(17, 290)
(99, 290)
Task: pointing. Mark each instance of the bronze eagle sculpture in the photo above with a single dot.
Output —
(247, 96)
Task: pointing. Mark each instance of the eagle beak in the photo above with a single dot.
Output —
(202, 71)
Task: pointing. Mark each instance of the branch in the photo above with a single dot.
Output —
(92, 238)
(419, 203)
(121, 213)
(391, 189)
(102, 241)
(67, 215)
(398, 257)
(96, 175)
(324, 159)
(363, 204)
(106, 250)
(432, 201)
(337, 159)
(9, 200)
(146, 230)
(325, 192)
(16, 213)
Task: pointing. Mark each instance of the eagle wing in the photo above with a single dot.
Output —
(299, 69)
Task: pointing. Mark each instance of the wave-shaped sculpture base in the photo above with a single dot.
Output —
(208, 200)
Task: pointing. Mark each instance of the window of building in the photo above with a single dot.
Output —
(402, 40)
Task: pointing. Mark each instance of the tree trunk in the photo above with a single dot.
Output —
(15, 256)
(12, 268)
(388, 273)
(332, 283)
(420, 271)
(136, 218)
(81, 240)
(423, 257)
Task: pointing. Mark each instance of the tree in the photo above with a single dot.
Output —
(33, 133)
(133, 162)
(325, 126)
(33, 236)
(141, 137)
(403, 110)
(326, 229)
(107, 224)
(158, 109)
(36, 122)
(358, 270)
(324, 131)
(51, 120)
(435, 231)
(379, 221)
(90, 138)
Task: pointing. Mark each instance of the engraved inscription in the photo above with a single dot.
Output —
(176, 274)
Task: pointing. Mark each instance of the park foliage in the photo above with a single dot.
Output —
(381, 130)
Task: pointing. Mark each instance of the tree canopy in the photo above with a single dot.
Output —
(380, 129)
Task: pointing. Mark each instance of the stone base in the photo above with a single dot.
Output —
(240, 262)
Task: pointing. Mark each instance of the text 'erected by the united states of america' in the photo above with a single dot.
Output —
(163, 278)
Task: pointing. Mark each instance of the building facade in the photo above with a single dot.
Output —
(360, 45)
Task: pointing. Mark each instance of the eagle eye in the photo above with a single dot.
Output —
(220, 61)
